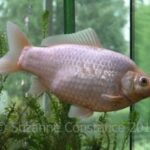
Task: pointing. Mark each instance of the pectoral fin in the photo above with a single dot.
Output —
(113, 98)
(36, 88)
(45, 103)
(79, 112)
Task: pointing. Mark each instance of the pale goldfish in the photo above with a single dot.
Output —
(77, 70)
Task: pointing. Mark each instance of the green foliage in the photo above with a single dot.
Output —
(45, 23)
(28, 125)
(107, 18)
(3, 44)
(25, 14)
(142, 36)
(130, 126)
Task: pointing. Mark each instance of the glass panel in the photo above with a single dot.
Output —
(110, 20)
(142, 47)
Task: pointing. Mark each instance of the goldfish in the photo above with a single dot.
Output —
(76, 69)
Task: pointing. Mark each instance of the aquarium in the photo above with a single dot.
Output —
(41, 121)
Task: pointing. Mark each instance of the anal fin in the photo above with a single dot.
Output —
(79, 112)
(36, 88)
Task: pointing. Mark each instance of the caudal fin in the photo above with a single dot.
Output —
(17, 41)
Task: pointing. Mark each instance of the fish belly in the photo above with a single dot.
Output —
(79, 74)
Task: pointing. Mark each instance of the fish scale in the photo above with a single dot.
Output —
(77, 70)
(78, 74)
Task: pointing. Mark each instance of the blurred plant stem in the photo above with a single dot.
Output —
(130, 126)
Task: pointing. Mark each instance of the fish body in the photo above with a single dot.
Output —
(80, 74)
(83, 74)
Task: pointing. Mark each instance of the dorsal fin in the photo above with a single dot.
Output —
(84, 37)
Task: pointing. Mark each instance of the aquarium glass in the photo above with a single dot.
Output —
(141, 54)
(38, 123)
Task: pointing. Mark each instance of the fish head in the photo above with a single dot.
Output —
(135, 85)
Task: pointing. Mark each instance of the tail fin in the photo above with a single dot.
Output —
(17, 41)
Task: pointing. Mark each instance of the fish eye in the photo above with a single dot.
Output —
(143, 81)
